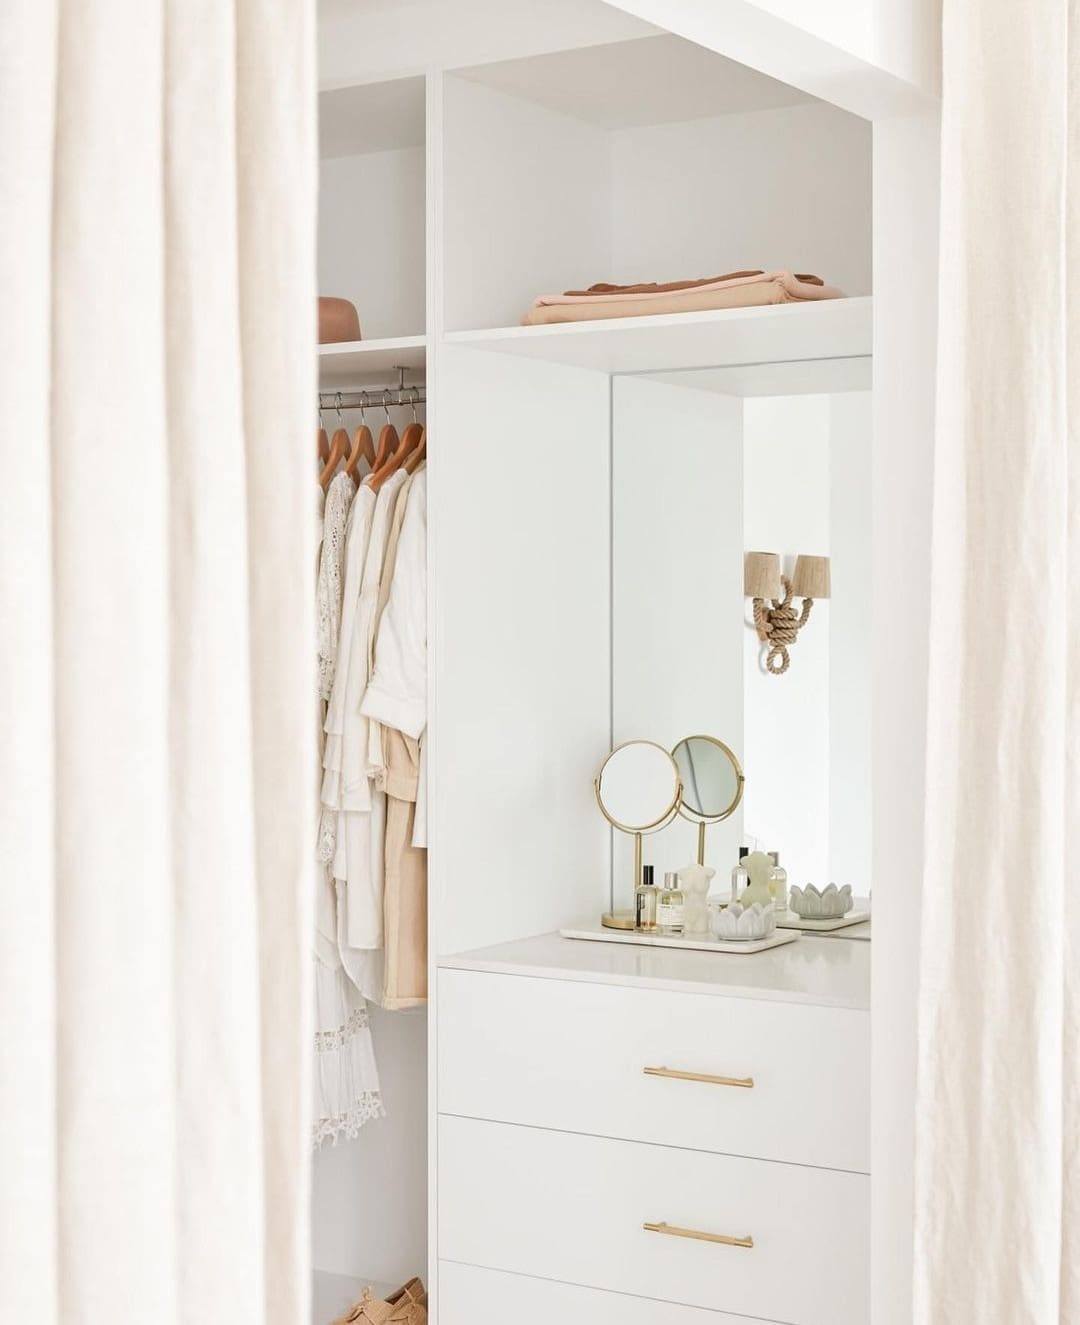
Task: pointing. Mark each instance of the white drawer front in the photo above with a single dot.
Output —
(572, 1208)
(469, 1295)
(571, 1055)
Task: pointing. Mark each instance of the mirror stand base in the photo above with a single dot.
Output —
(618, 920)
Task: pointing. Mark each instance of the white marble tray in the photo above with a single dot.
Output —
(789, 920)
(699, 942)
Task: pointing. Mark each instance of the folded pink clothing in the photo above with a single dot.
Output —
(734, 294)
(725, 293)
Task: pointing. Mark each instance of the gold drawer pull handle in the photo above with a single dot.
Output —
(674, 1232)
(745, 1083)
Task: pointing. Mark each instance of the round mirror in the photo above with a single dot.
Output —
(712, 780)
(638, 787)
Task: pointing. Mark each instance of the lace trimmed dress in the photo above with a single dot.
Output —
(346, 1078)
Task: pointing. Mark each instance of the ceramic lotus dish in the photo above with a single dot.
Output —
(832, 904)
(738, 923)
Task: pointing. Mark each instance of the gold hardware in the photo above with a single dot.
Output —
(746, 1083)
(674, 1232)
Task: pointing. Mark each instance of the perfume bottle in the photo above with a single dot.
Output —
(645, 901)
(669, 907)
(778, 882)
(740, 879)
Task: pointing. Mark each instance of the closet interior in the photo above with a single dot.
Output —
(454, 191)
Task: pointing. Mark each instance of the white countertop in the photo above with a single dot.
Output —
(817, 969)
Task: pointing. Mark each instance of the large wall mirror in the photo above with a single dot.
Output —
(706, 466)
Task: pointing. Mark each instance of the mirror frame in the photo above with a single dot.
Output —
(694, 816)
(669, 814)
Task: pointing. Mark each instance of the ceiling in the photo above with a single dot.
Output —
(372, 117)
(649, 80)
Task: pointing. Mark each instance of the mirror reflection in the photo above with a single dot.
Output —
(708, 466)
(711, 777)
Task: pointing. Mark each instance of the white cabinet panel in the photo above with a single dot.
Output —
(469, 1295)
(570, 1055)
(572, 1208)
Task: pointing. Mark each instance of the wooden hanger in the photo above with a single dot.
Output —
(410, 440)
(388, 444)
(414, 443)
(363, 447)
(323, 442)
(419, 455)
(339, 449)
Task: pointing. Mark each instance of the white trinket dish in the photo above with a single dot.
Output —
(831, 904)
(737, 923)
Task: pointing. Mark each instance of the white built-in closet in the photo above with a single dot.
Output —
(473, 156)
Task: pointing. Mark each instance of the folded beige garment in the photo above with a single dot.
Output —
(750, 295)
(603, 288)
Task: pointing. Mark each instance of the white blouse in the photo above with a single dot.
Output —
(397, 695)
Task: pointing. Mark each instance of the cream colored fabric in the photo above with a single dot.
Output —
(397, 693)
(376, 744)
(397, 765)
(405, 894)
(156, 744)
(997, 1219)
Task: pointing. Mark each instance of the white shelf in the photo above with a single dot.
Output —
(778, 334)
(371, 362)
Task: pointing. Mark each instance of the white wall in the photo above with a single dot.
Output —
(781, 188)
(371, 238)
(369, 1198)
(676, 589)
(526, 204)
(787, 510)
(851, 531)
(522, 647)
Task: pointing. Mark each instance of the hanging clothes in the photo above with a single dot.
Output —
(329, 585)
(396, 704)
(397, 695)
(346, 1078)
(346, 1081)
(358, 865)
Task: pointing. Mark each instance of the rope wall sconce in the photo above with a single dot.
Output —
(778, 625)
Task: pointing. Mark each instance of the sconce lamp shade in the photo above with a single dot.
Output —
(811, 578)
(761, 575)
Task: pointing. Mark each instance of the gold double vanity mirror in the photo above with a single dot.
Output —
(712, 782)
(639, 791)
(741, 538)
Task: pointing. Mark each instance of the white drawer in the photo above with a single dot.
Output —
(571, 1055)
(469, 1295)
(572, 1208)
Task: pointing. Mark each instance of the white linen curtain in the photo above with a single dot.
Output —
(997, 1220)
(157, 164)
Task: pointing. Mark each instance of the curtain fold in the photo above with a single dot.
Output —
(997, 1232)
(156, 746)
